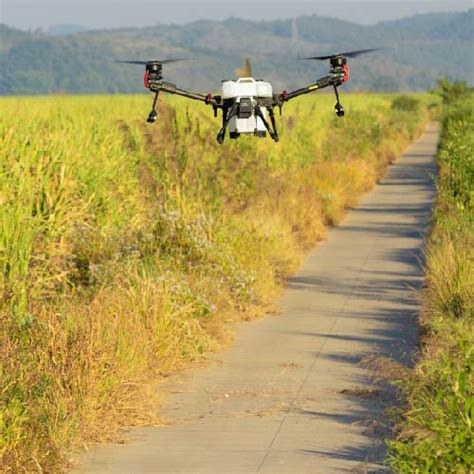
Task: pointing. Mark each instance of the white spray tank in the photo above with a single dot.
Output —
(246, 91)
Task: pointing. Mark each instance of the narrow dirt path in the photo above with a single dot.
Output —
(291, 395)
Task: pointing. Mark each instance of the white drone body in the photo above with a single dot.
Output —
(246, 91)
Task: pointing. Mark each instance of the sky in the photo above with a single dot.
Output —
(32, 14)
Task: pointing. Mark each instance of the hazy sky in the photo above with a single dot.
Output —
(115, 13)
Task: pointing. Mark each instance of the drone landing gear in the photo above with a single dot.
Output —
(221, 136)
(228, 115)
(272, 130)
(226, 118)
(275, 137)
(338, 107)
(153, 114)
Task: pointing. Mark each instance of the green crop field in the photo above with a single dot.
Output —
(124, 247)
(436, 426)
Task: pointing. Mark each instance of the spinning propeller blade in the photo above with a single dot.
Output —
(350, 54)
(159, 61)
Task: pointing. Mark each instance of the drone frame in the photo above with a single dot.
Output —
(338, 74)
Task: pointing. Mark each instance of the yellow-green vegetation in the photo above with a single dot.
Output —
(436, 432)
(125, 247)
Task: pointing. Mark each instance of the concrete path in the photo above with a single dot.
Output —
(291, 396)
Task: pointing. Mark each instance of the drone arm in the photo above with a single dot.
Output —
(338, 75)
(208, 99)
(172, 89)
(319, 84)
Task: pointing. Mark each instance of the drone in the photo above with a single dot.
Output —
(248, 105)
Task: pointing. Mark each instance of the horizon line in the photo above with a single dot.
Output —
(84, 29)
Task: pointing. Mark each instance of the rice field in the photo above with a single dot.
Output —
(125, 248)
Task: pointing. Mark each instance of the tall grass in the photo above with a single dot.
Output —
(125, 247)
(436, 431)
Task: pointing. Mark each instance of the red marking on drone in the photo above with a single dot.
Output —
(347, 75)
(146, 79)
(208, 99)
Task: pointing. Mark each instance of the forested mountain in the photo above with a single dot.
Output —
(416, 52)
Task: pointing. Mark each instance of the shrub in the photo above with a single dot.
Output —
(451, 92)
(406, 103)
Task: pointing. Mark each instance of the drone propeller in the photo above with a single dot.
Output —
(159, 61)
(350, 54)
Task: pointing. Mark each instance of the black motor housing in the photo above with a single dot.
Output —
(337, 64)
(153, 74)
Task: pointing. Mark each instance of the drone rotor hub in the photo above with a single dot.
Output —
(154, 66)
(338, 61)
(153, 74)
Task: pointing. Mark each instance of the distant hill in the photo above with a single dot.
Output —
(58, 30)
(417, 51)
